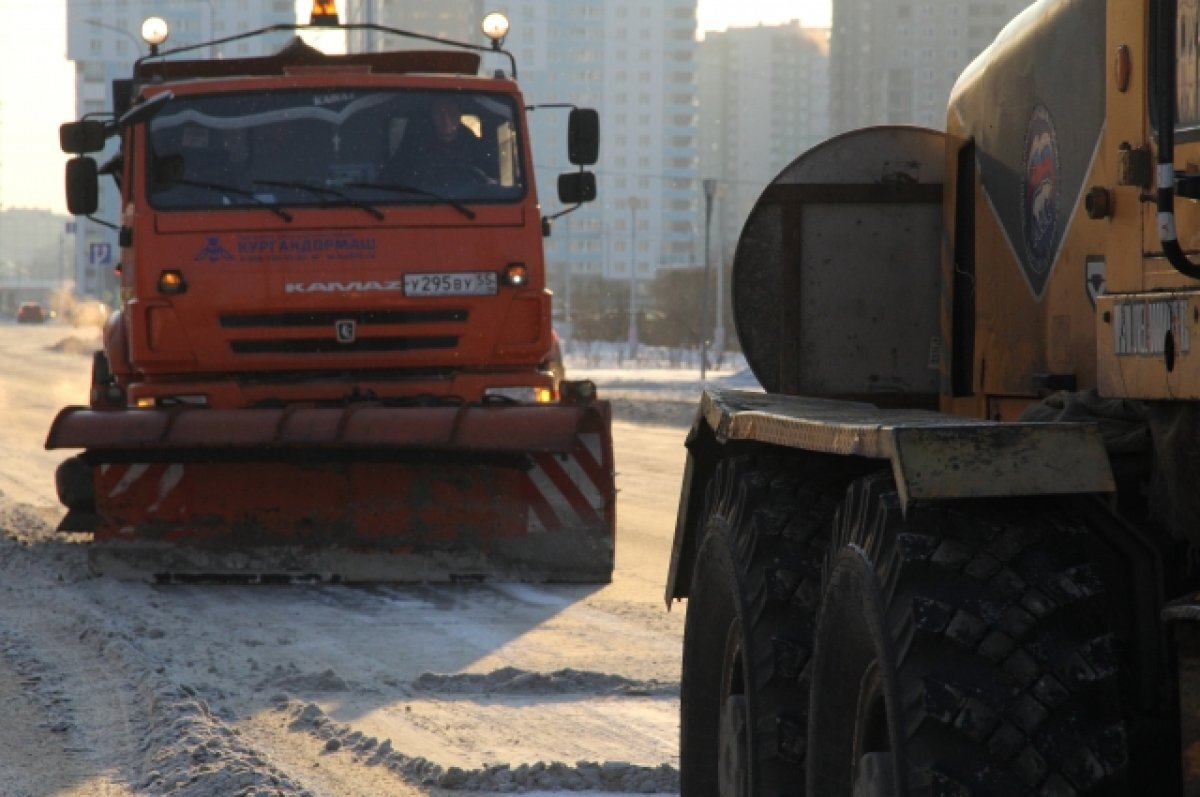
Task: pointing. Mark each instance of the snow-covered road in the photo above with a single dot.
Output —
(116, 688)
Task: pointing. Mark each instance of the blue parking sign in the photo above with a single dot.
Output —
(99, 254)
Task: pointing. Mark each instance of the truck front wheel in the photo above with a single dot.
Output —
(961, 651)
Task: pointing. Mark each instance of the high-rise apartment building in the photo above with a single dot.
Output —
(35, 244)
(457, 20)
(895, 61)
(632, 60)
(104, 40)
(764, 99)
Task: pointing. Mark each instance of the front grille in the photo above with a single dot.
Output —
(327, 318)
(331, 346)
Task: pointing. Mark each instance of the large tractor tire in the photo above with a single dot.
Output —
(748, 632)
(962, 651)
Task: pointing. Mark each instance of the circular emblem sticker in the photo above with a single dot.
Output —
(1039, 200)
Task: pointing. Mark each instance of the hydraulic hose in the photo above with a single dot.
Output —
(1164, 105)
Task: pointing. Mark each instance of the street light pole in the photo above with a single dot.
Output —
(137, 43)
(213, 51)
(710, 190)
(719, 331)
(633, 203)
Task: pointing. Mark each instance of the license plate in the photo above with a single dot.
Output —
(463, 283)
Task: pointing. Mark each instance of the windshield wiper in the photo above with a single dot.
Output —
(232, 189)
(321, 190)
(398, 188)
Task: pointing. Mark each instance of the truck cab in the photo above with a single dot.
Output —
(293, 228)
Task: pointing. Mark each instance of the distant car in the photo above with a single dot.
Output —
(30, 313)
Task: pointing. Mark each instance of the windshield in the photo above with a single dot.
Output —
(359, 148)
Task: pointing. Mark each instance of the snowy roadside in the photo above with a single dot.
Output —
(126, 689)
(170, 691)
(657, 395)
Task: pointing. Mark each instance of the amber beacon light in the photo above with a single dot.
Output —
(324, 12)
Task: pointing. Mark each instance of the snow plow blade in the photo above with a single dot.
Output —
(358, 494)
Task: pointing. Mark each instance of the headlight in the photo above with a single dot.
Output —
(521, 395)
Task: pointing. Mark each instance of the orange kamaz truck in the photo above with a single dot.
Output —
(327, 360)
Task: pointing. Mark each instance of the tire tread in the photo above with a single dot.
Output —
(1004, 661)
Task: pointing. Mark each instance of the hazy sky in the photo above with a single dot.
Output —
(37, 94)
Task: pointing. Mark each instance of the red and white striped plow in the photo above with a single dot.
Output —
(363, 507)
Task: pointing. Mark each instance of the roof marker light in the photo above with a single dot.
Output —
(495, 27)
(155, 31)
(324, 12)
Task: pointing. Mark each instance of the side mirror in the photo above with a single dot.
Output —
(83, 186)
(583, 136)
(575, 188)
(78, 138)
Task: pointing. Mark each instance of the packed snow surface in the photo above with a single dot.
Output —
(117, 688)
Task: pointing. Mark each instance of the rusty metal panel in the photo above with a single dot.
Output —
(998, 459)
(841, 231)
(933, 455)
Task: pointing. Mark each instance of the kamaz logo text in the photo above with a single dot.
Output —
(356, 286)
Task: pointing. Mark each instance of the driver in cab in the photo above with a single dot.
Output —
(444, 151)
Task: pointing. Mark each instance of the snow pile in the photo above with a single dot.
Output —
(665, 396)
(75, 345)
(184, 750)
(515, 681)
(611, 776)
(290, 677)
(195, 754)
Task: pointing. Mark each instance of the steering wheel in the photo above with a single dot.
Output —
(449, 174)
